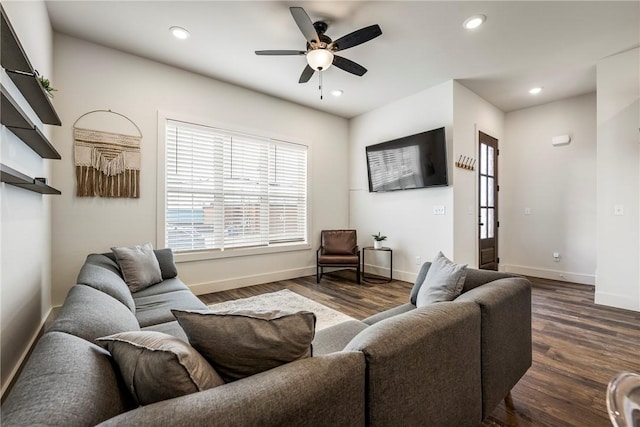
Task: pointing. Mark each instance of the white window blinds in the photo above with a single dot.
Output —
(231, 190)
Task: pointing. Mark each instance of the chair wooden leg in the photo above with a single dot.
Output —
(358, 273)
(318, 273)
(508, 400)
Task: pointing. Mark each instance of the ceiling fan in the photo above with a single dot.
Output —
(320, 48)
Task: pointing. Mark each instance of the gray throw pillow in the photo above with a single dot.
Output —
(139, 266)
(240, 343)
(157, 366)
(444, 281)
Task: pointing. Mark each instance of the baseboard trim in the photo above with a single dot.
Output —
(617, 301)
(583, 279)
(241, 282)
(13, 376)
(404, 276)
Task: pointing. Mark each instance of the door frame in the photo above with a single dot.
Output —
(496, 203)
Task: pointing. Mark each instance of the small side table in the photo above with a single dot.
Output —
(383, 249)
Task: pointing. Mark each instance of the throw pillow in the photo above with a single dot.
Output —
(443, 282)
(167, 265)
(240, 343)
(157, 366)
(139, 266)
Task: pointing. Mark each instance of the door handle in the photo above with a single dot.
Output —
(481, 224)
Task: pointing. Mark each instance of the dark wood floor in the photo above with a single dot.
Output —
(577, 346)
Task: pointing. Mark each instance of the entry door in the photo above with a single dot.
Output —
(488, 202)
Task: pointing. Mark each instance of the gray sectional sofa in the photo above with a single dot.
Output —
(441, 365)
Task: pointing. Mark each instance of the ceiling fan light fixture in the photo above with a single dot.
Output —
(474, 21)
(320, 59)
(180, 33)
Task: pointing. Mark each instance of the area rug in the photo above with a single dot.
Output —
(286, 300)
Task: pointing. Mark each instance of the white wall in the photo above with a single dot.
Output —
(471, 114)
(557, 184)
(618, 168)
(406, 217)
(25, 217)
(92, 77)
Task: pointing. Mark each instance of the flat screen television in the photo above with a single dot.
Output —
(415, 161)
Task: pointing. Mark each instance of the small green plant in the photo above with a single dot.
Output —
(46, 84)
(378, 237)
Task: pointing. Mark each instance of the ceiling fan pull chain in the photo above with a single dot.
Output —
(320, 79)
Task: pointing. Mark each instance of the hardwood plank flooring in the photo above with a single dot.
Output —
(577, 346)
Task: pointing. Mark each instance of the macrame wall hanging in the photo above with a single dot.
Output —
(107, 164)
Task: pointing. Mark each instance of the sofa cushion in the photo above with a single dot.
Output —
(169, 328)
(444, 281)
(88, 313)
(154, 309)
(336, 337)
(157, 366)
(422, 274)
(240, 343)
(389, 313)
(67, 381)
(139, 266)
(102, 273)
(168, 285)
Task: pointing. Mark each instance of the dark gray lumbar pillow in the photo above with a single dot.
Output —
(157, 366)
(240, 343)
(139, 266)
(444, 281)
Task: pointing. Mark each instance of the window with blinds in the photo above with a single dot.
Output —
(231, 190)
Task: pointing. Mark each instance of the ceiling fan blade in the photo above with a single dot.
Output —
(305, 24)
(357, 37)
(348, 65)
(280, 52)
(306, 74)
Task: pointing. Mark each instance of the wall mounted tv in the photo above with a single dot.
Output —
(415, 161)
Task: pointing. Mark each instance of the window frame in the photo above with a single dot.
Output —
(161, 194)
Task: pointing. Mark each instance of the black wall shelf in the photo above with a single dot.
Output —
(14, 60)
(13, 177)
(17, 122)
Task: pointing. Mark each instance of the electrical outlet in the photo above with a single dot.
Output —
(556, 257)
(439, 210)
(418, 260)
(618, 210)
(527, 211)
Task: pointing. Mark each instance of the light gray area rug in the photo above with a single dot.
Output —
(286, 300)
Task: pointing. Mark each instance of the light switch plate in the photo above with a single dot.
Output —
(439, 210)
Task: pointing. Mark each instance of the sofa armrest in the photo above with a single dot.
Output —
(318, 391)
(422, 367)
(505, 306)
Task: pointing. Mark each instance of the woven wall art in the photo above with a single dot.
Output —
(107, 164)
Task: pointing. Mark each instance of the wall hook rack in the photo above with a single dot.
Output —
(467, 163)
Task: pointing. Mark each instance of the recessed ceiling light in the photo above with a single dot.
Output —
(337, 92)
(474, 21)
(180, 33)
(535, 90)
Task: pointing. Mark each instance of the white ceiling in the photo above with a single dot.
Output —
(552, 44)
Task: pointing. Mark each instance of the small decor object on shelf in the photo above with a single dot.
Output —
(377, 240)
(46, 84)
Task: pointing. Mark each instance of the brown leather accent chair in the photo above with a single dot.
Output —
(338, 248)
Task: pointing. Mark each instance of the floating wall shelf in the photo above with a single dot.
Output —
(14, 60)
(17, 122)
(13, 177)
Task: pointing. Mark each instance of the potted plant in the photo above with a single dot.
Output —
(377, 240)
(46, 84)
